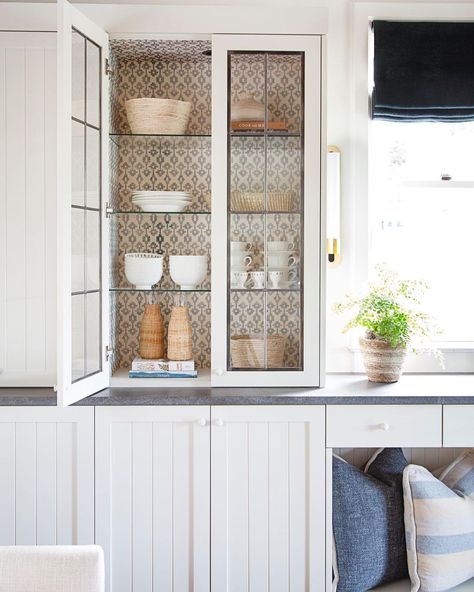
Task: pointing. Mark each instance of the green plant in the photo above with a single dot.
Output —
(389, 310)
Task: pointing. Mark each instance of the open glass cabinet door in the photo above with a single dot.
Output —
(82, 185)
(267, 210)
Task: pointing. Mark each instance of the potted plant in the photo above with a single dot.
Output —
(391, 318)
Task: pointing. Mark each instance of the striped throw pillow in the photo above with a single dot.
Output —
(439, 524)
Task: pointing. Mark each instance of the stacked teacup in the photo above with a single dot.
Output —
(241, 258)
(281, 264)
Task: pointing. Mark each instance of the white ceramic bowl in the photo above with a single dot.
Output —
(188, 271)
(144, 270)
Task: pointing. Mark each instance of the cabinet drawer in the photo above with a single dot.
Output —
(369, 426)
(458, 426)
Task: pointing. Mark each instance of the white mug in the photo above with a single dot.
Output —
(240, 260)
(238, 279)
(258, 279)
(238, 246)
(281, 259)
(280, 246)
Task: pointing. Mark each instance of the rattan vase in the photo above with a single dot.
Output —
(152, 342)
(180, 335)
(383, 363)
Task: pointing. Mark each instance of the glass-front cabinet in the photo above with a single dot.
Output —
(266, 202)
(190, 208)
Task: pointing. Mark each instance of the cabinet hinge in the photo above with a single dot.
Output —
(108, 210)
(108, 352)
(108, 69)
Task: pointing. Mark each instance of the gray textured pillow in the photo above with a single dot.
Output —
(368, 523)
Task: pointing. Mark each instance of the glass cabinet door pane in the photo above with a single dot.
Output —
(265, 205)
(78, 171)
(77, 249)
(93, 84)
(78, 75)
(78, 346)
(93, 250)
(93, 168)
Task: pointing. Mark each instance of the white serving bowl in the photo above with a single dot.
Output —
(188, 271)
(144, 270)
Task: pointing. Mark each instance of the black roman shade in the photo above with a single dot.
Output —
(423, 71)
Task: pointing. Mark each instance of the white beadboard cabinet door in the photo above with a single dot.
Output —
(268, 499)
(27, 209)
(82, 226)
(153, 497)
(46, 476)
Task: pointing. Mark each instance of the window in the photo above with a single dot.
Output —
(421, 215)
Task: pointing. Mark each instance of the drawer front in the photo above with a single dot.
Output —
(369, 426)
(458, 426)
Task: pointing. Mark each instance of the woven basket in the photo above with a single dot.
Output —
(248, 351)
(180, 335)
(157, 116)
(152, 342)
(250, 201)
(383, 363)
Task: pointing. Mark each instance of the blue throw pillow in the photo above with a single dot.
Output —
(368, 522)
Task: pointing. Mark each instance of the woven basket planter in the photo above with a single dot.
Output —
(250, 201)
(180, 335)
(157, 116)
(152, 342)
(248, 351)
(383, 363)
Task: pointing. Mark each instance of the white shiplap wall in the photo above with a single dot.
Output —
(27, 209)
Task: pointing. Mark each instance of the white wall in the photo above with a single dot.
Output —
(27, 209)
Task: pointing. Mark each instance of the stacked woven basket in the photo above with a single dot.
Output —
(248, 351)
(157, 116)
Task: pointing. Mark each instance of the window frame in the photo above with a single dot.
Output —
(458, 358)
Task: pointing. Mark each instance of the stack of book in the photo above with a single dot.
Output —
(142, 368)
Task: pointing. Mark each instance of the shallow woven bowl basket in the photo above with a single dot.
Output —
(158, 116)
(247, 351)
(383, 363)
(254, 201)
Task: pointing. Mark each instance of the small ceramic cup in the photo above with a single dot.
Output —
(258, 279)
(238, 246)
(281, 259)
(240, 259)
(239, 279)
(280, 246)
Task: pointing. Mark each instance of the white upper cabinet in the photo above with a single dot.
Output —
(267, 210)
(83, 299)
(245, 172)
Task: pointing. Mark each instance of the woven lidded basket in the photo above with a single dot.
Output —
(152, 342)
(254, 201)
(157, 116)
(248, 351)
(180, 335)
(383, 363)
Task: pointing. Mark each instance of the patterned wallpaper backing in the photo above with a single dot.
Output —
(178, 69)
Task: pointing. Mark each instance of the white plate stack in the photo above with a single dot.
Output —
(161, 201)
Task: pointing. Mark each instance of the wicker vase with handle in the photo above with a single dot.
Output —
(152, 342)
(180, 335)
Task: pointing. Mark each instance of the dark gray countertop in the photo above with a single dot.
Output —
(341, 389)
